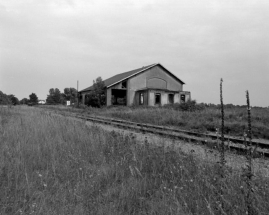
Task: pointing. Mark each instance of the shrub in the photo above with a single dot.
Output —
(190, 106)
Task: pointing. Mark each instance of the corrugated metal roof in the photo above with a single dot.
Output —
(120, 77)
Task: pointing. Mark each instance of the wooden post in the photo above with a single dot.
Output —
(77, 96)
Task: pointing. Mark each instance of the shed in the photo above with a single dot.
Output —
(151, 85)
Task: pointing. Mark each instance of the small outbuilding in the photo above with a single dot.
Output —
(151, 85)
(41, 102)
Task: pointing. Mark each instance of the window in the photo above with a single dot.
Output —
(182, 98)
(157, 99)
(124, 85)
(171, 98)
(141, 98)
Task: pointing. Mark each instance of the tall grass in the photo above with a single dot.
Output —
(54, 165)
(206, 120)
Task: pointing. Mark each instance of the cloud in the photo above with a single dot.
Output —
(200, 41)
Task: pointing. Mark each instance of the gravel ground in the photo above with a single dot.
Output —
(201, 152)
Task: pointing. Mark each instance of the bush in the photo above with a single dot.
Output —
(190, 105)
(92, 101)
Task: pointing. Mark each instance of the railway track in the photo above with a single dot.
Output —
(212, 140)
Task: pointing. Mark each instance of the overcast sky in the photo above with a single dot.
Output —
(54, 43)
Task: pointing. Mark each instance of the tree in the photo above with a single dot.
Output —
(50, 99)
(33, 99)
(24, 101)
(55, 97)
(4, 99)
(97, 97)
(14, 100)
(70, 94)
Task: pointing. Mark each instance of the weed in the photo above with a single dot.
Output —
(204, 120)
(248, 174)
(222, 149)
(54, 165)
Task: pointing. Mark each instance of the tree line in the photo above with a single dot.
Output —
(95, 98)
(13, 100)
(55, 97)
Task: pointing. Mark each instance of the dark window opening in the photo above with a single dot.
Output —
(118, 97)
(171, 98)
(182, 98)
(157, 99)
(124, 85)
(141, 98)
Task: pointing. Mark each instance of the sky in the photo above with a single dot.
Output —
(55, 43)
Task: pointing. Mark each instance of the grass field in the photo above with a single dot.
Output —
(54, 165)
(206, 120)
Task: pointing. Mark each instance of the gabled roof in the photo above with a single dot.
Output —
(123, 76)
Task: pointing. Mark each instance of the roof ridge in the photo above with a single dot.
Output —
(112, 82)
(135, 69)
(139, 70)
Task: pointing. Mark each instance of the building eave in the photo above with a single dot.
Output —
(159, 89)
(132, 75)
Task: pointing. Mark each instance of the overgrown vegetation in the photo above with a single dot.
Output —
(53, 165)
(206, 118)
(8, 99)
(248, 171)
(33, 99)
(96, 97)
(189, 106)
(56, 97)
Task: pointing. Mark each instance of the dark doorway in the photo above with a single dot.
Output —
(118, 97)
(171, 98)
(182, 98)
(157, 99)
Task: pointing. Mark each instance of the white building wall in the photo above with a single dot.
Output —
(148, 78)
(108, 96)
(164, 98)
(176, 98)
(151, 98)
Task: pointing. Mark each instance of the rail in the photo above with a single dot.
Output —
(212, 140)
